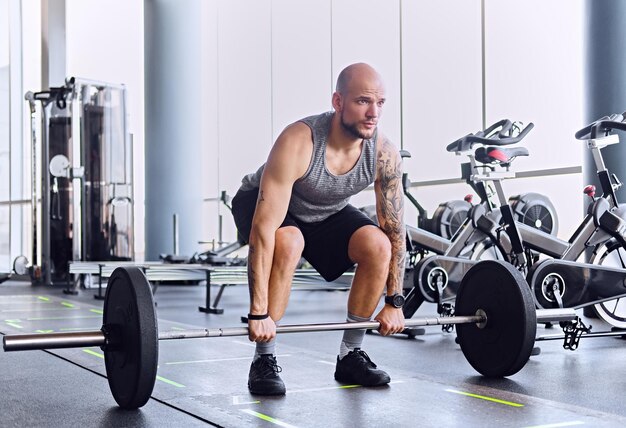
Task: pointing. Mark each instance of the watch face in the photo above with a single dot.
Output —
(398, 300)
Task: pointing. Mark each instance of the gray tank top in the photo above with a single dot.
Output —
(319, 194)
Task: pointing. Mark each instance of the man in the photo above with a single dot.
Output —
(297, 205)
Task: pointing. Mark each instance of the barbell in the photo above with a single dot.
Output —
(496, 326)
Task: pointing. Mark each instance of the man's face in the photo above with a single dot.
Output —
(361, 108)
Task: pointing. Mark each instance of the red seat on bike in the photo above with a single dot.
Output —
(499, 155)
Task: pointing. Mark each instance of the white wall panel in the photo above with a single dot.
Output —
(5, 109)
(301, 60)
(209, 104)
(534, 74)
(441, 91)
(441, 82)
(245, 93)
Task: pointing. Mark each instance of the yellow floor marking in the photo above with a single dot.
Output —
(14, 325)
(45, 299)
(94, 353)
(237, 401)
(79, 328)
(267, 418)
(162, 379)
(483, 397)
(67, 304)
(36, 309)
(62, 318)
(97, 311)
(327, 388)
(170, 382)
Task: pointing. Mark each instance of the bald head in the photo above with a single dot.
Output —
(356, 74)
(358, 101)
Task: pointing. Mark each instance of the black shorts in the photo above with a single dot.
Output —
(325, 242)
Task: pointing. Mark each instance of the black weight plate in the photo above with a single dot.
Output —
(503, 346)
(130, 323)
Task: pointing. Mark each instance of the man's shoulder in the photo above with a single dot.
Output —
(298, 130)
(316, 121)
(296, 139)
(302, 132)
(316, 117)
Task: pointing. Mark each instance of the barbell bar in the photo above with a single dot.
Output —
(27, 342)
(496, 328)
(82, 339)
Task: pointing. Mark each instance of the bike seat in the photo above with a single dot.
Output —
(501, 133)
(499, 155)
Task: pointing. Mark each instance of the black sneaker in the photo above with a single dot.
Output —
(263, 378)
(357, 368)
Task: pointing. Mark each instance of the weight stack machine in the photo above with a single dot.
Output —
(82, 191)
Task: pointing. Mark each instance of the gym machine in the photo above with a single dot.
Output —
(566, 282)
(435, 278)
(561, 281)
(82, 192)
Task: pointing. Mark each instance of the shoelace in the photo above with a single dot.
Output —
(364, 355)
(271, 364)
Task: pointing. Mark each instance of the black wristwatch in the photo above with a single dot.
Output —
(395, 300)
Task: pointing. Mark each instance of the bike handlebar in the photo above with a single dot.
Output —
(489, 137)
(604, 125)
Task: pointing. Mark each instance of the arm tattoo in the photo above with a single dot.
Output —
(261, 198)
(391, 208)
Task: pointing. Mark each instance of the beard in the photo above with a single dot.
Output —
(353, 130)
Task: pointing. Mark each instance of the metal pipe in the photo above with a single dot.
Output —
(33, 148)
(175, 228)
(79, 159)
(79, 81)
(27, 342)
(22, 342)
(46, 260)
(301, 328)
(555, 315)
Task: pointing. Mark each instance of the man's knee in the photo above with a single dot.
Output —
(289, 243)
(370, 244)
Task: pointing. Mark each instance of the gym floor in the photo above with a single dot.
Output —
(202, 382)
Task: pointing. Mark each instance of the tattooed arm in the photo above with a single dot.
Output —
(288, 160)
(390, 209)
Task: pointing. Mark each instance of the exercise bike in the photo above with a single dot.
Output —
(564, 282)
(436, 278)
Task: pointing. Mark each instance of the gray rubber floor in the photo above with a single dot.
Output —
(203, 381)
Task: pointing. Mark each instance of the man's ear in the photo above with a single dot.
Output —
(337, 101)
